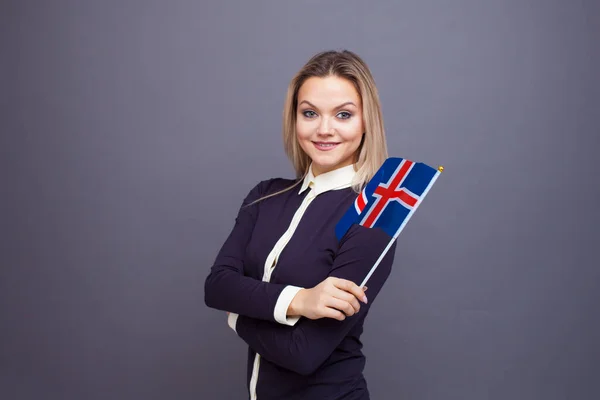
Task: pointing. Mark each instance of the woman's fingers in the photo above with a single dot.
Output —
(329, 312)
(347, 298)
(350, 287)
(342, 306)
(334, 298)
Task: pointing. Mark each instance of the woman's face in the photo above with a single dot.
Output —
(329, 122)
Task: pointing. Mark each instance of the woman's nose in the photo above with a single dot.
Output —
(325, 127)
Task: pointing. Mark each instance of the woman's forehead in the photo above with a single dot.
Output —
(329, 91)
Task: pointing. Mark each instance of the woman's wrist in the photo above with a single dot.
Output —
(295, 307)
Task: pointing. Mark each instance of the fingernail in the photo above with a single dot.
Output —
(365, 288)
(364, 299)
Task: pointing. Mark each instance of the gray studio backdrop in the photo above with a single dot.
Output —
(131, 130)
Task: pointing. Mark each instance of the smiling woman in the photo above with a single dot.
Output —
(329, 123)
(301, 311)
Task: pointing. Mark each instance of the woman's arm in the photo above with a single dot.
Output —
(226, 288)
(305, 346)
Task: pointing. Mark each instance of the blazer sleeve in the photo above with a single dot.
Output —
(303, 347)
(227, 288)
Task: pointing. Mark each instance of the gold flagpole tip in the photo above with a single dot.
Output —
(441, 168)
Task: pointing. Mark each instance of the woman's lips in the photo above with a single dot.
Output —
(325, 146)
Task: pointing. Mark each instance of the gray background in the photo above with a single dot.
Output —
(131, 130)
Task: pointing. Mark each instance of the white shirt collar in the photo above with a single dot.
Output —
(337, 179)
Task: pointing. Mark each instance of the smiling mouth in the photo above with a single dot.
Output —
(325, 145)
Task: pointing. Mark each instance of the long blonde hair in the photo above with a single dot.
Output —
(372, 151)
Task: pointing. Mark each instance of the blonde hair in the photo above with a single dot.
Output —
(372, 151)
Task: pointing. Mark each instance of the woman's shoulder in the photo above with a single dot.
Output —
(267, 187)
(272, 185)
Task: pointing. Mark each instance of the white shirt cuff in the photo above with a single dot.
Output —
(232, 320)
(283, 303)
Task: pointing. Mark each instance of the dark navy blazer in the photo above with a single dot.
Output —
(314, 359)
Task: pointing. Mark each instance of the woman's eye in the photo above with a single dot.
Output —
(344, 115)
(309, 114)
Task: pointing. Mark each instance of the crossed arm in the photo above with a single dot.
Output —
(303, 344)
(303, 347)
(226, 288)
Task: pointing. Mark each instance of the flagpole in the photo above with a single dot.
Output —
(410, 213)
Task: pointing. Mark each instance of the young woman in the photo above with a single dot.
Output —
(288, 285)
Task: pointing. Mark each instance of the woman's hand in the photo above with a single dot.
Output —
(333, 298)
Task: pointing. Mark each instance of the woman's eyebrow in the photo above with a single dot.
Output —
(340, 106)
